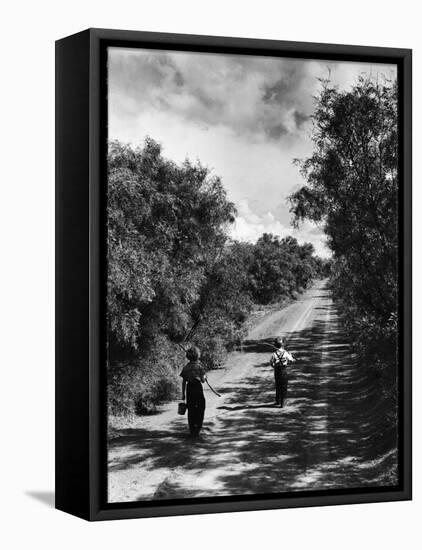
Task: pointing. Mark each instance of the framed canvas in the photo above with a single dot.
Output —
(233, 281)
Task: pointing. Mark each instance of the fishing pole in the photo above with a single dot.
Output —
(268, 344)
(271, 345)
(212, 389)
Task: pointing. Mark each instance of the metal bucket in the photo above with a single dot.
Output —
(181, 408)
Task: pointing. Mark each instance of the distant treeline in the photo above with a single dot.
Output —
(352, 189)
(175, 277)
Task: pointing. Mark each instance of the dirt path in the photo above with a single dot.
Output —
(331, 433)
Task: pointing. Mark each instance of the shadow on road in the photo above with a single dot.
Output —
(332, 433)
(247, 407)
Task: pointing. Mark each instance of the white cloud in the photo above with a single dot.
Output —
(244, 117)
(259, 98)
(249, 226)
(253, 96)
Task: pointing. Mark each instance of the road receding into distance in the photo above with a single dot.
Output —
(331, 434)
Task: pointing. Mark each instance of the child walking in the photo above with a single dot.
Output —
(279, 361)
(193, 375)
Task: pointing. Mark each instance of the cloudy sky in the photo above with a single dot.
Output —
(244, 117)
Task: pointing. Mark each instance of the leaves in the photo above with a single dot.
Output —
(352, 187)
(175, 277)
(281, 267)
(164, 224)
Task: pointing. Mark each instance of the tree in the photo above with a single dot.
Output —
(280, 267)
(174, 276)
(166, 226)
(352, 191)
(224, 304)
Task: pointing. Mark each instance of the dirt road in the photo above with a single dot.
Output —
(332, 433)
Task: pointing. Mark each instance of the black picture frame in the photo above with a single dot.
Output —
(81, 124)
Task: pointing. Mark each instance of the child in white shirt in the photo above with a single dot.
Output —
(279, 361)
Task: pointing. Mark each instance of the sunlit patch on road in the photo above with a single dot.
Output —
(330, 434)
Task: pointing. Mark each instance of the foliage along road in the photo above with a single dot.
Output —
(332, 433)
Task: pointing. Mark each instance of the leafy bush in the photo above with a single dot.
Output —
(352, 189)
(132, 391)
(159, 389)
(213, 352)
(174, 276)
(281, 267)
(138, 387)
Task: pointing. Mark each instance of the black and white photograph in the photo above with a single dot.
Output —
(210, 268)
(252, 308)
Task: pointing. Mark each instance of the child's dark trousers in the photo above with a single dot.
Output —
(281, 383)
